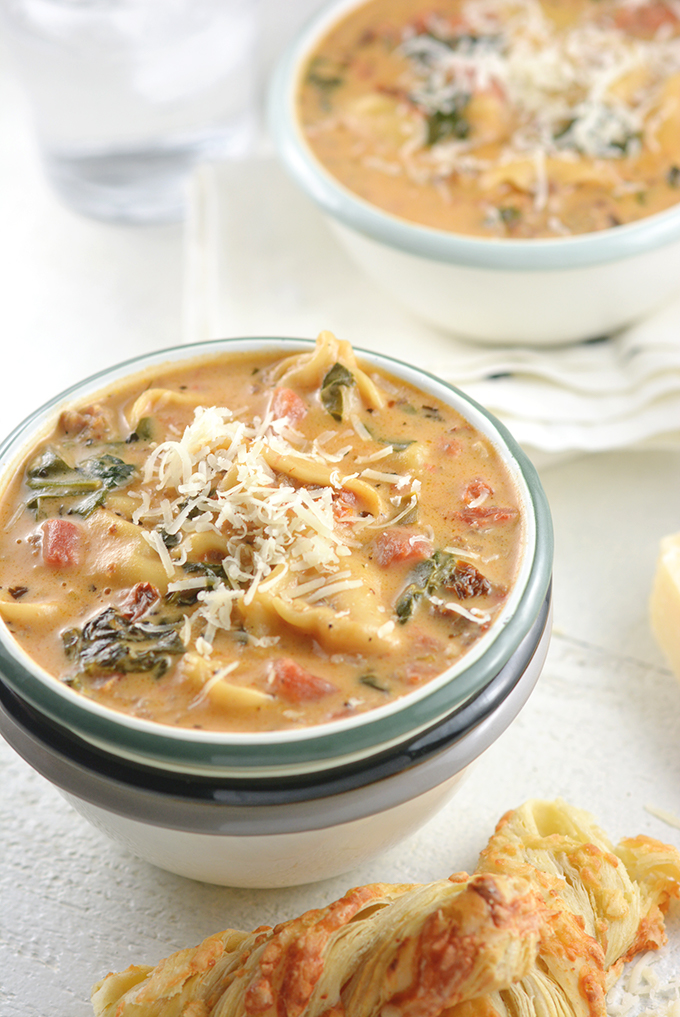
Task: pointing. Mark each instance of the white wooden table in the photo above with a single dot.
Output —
(601, 730)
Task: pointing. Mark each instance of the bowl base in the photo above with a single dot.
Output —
(273, 860)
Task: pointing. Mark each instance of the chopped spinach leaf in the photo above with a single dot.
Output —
(563, 131)
(373, 682)
(50, 478)
(111, 470)
(443, 126)
(144, 430)
(431, 412)
(324, 84)
(112, 644)
(332, 390)
(420, 582)
(468, 41)
(442, 571)
(47, 465)
(406, 603)
(214, 572)
(325, 78)
(509, 214)
(169, 539)
(626, 142)
(618, 140)
(673, 176)
(87, 505)
(398, 444)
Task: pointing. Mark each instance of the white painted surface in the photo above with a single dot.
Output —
(602, 728)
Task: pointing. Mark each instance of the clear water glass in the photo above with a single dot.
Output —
(128, 96)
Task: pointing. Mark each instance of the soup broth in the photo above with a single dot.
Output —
(501, 118)
(257, 542)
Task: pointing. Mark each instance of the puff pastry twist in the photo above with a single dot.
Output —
(541, 929)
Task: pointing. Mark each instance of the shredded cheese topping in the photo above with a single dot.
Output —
(586, 90)
(232, 478)
(642, 993)
(216, 478)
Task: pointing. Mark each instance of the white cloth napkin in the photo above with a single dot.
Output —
(261, 260)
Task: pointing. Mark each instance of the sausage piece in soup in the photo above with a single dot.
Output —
(255, 542)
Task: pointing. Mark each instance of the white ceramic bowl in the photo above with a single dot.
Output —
(279, 808)
(543, 291)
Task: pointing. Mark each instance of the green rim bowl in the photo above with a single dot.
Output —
(326, 745)
(541, 291)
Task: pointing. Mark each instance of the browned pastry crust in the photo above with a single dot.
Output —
(605, 904)
(541, 929)
(417, 948)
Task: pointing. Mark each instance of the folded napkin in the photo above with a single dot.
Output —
(261, 260)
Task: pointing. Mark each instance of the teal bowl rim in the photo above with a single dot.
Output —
(324, 745)
(348, 208)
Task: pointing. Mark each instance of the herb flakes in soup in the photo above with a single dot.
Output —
(501, 118)
(257, 542)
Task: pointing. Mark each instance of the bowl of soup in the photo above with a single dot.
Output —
(507, 170)
(264, 601)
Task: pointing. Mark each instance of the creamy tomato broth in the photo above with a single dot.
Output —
(256, 542)
(501, 118)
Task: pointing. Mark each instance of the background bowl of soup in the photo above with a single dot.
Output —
(256, 748)
(508, 172)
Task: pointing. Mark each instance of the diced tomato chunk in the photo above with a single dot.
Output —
(424, 652)
(292, 681)
(415, 673)
(423, 643)
(402, 544)
(60, 543)
(645, 19)
(476, 491)
(482, 516)
(287, 403)
(452, 446)
(141, 597)
(345, 506)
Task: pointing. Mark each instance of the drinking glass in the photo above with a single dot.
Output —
(128, 95)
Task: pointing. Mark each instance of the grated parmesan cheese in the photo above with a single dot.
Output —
(380, 454)
(473, 615)
(666, 817)
(155, 540)
(216, 478)
(387, 478)
(643, 992)
(332, 588)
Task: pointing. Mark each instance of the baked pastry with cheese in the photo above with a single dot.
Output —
(604, 904)
(543, 927)
(419, 948)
